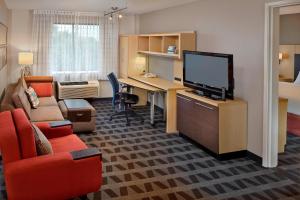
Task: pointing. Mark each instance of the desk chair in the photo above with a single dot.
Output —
(122, 101)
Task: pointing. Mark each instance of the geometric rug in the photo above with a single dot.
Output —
(143, 162)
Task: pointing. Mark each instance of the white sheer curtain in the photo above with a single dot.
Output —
(74, 46)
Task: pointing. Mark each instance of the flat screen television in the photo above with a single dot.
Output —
(209, 73)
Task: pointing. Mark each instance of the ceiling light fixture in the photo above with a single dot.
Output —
(115, 10)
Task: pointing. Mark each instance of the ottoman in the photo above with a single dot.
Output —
(80, 112)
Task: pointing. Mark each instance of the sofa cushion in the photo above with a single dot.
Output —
(42, 89)
(20, 99)
(43, 146)
(67, 144)
(46, 114)
(32, 97)
(48, 101)
(25, 134)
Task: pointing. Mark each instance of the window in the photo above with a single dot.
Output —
(74, 49)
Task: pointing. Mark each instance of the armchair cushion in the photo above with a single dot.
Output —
(43, 89)
(43, 146)
(67, 144)
(8, 138)
(25, 134)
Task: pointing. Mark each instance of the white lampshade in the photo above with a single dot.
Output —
(280, 56)
(25, 58)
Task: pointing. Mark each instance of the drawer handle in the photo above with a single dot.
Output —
(79, 115)
(199, 104)
(184, 98)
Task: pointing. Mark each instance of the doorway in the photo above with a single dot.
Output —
(271, 74)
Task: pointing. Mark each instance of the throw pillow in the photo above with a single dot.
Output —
(43, 146)
(42, 89)
(32, 97)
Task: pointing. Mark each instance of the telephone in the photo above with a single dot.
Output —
(150, 75)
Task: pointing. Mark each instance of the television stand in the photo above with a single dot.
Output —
(219, 126)
(207, 95)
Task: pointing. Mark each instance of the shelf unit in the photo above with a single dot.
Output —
(157, 44)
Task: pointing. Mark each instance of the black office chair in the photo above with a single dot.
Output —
(122, 101)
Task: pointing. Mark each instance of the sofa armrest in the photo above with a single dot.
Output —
(50, 130)
(38, 79)
(56, 176)
(60, 124)
(86, 153)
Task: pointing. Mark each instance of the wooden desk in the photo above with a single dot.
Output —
(152, 90)
(138, 84)
(159, 83)
(170, 100)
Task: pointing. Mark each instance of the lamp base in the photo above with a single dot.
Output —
(25, 71)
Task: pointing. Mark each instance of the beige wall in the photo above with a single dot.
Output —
(4, 18)
(228, 26)
(290, 29)
(20, 40)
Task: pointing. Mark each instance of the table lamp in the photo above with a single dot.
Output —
(140, 63)
(25, 61)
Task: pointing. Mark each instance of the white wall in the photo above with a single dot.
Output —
(129, 24)
(228, 26)
(4, 18)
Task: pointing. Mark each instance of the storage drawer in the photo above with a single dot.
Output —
(184, 115)
(199, 121)
(79, 115)
(206, 122)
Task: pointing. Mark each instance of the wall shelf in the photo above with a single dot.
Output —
(160, 54)
(157, 44)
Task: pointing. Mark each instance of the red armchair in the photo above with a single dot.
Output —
(73, 170)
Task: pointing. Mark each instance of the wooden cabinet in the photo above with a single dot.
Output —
(220, 126)
(157, 44)
(128, 52)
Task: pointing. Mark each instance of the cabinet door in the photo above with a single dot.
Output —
(206, 123)
(184, 115)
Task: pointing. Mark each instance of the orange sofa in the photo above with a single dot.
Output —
(72, 170)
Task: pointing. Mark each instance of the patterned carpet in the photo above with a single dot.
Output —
(143, 162)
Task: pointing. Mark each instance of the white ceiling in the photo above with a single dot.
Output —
(134, 6)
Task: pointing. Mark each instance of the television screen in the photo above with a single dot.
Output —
(202, 69)
(208, 70)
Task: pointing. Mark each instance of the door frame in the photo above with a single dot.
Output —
(270, 115)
